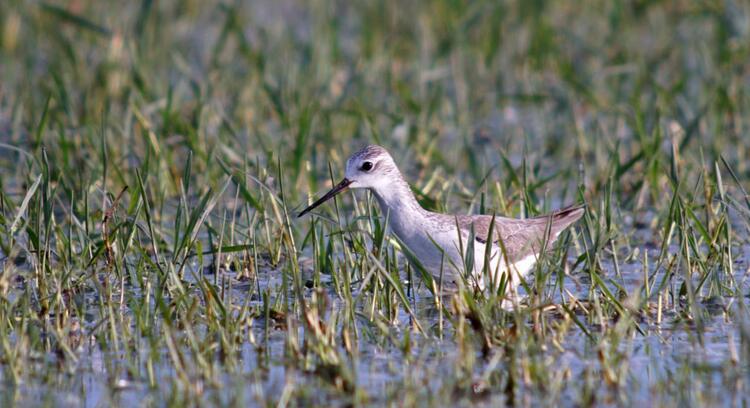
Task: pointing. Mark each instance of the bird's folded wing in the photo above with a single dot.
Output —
(521, 237)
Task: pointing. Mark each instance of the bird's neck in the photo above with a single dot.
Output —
(397, 200)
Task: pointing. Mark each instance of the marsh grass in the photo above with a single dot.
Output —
(154, 156)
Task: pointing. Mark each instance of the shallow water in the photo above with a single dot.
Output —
(670, 355)
(700, 360)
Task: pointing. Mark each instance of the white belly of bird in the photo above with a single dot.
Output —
(449, 264)
(498, 268)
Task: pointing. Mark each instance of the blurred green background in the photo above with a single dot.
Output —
(449, 86)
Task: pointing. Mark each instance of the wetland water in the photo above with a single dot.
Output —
(676, 359)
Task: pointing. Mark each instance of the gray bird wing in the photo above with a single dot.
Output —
(521, 237)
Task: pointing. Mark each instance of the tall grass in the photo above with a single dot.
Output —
(154, 154)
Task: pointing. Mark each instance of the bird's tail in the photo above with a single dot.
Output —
(564, 217)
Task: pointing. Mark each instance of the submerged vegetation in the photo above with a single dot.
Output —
(154, 154)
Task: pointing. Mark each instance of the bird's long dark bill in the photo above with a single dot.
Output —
(342, 186)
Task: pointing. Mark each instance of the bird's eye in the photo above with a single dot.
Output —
(366, 166)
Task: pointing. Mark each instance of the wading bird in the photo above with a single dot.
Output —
(441, 241)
